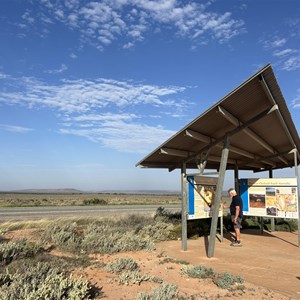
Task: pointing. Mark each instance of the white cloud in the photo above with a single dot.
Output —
(124, 136)
(61, 69)
(296, 101)
(292, 63)
(129, 21)
(102, 110)
(14, 128)
(284, 52)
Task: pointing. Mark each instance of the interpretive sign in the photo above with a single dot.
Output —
(201, 196)
(270, 197)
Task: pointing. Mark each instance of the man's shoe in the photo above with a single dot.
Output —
(236, 244)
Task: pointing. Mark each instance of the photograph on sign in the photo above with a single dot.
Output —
(201, 196)
(270, 197)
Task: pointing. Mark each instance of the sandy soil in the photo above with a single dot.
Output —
(269, 263)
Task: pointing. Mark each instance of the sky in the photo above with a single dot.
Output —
(89, 88)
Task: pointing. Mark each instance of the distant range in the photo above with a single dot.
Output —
(75, 191)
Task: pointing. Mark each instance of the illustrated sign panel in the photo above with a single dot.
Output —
(270, 197)
(201, 196)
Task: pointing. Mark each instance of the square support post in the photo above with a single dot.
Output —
(183, 208)
(272, 219)
(216, 207)
(297, 177)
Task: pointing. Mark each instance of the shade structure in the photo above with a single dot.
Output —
(254, 117)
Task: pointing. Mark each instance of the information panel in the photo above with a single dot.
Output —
(270, 197)
(201, 196)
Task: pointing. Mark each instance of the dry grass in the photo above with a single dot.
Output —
(10, 199)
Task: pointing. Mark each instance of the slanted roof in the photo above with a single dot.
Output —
(256, 119)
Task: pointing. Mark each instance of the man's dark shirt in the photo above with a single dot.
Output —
(236, 201)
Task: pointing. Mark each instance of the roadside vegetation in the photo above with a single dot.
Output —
(23, 200)
(29, 271)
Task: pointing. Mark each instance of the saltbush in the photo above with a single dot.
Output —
(41, 281)
(63, 235)
(226, 280)
(164, 292)
(121, 264)
(17, 249)
(198, 271)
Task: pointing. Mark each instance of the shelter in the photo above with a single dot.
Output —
(249, 129)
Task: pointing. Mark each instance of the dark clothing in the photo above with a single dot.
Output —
(236, 201)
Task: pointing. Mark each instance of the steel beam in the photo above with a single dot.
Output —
(184, 211)
(216, 206)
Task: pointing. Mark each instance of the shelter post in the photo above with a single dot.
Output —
(236, 179)
(183, 208)
(297, 176)
(216, 207)
(272, 219)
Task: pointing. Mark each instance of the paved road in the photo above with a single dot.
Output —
(33, 213)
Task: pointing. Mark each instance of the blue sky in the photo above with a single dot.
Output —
(89, 88)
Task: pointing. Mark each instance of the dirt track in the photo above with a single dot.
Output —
(271, 260)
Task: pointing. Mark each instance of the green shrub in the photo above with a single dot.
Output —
(159, 231)
(226, 280)
(164, 292)
(95, 201)
(198, 271)
(17, 249)
(65, 236)
(42, 282)
(104, 239)
(172, 260)
(122, 264)
(134, 277)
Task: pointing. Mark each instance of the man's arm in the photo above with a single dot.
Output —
(237, 212)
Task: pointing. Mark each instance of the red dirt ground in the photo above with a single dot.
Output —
(269, 263)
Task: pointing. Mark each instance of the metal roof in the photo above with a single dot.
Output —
(257, 121)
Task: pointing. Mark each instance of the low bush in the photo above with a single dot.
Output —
(17, 249)
(164, 292)
(159, 231)
(226, 280)
(121, 264)
(198, 271)
(41, 281)
(95, 201)
(65, 235)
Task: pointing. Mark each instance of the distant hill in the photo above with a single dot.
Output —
(75, 191)
(46, 191)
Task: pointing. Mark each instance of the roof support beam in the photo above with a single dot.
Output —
(174, 152)
(206, 139)
(263, 159)
(271, 98)
(235, 121)
(235, 131)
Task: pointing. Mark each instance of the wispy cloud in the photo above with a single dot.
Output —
(91, 108)
(61, 69)
(15, 129)
(130, 21)
(296, 101)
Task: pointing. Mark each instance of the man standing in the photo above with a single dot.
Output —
(236, 212)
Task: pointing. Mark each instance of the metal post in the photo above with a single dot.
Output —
(272, 219)
(216, 207)
(183, 208)
(297, 176)
(236, 180)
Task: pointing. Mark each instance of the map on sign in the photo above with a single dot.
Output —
(270, 197)
(201, 196)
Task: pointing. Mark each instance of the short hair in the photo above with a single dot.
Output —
(231, 190)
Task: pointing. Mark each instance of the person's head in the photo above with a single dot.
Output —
(232, 192)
